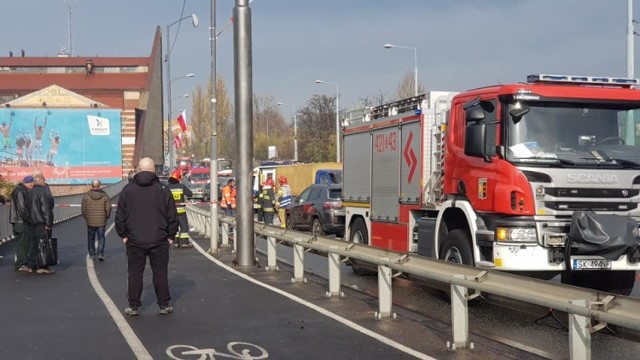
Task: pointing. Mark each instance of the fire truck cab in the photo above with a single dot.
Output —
(538, 178)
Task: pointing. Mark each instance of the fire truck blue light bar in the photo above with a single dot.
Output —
(538, 78)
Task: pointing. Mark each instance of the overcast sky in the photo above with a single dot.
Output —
(461, 44)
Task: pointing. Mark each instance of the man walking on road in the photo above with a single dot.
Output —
(147, 222)
(20, 217)
(96, 209)
(41, 222)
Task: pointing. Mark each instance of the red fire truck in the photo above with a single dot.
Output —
(538, 178)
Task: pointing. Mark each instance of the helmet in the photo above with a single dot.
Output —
(176, 174)
(282, 180)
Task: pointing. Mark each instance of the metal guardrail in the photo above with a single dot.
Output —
(66, 207)
(583, 305)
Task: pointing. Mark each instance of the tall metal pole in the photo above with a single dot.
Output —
(337, 123)
(244, 131)
(169, 131)
(68, 3)
(295, 134)
(631, 126)
(415, 72)
(213, 171)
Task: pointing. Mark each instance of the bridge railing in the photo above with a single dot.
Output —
(466, 282)
(66, 207)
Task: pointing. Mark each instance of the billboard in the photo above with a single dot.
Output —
(69, 146)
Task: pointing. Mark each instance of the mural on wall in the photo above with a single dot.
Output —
(69, 146)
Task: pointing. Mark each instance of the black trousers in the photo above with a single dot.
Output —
(37, 231)
(158, 255)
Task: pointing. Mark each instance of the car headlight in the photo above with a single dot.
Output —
(516, 234)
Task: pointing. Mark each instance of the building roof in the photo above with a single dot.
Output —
(46, 61)
(75, 82)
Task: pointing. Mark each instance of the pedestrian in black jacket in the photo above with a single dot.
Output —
(41, 222)
(20, 217)
(146, 220)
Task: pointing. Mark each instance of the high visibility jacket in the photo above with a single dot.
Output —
(284, 196)
(266, 200)
(180, 194)
(228, 197)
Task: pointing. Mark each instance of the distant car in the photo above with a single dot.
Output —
(318, 209)
(200, 192)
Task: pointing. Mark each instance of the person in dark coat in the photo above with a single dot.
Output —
(41, 222)
(20, 218)
(147, 222)
(96, 209)
(180, 194)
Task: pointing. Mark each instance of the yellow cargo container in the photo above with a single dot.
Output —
(300, 176)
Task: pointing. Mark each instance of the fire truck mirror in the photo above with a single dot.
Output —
(474, 139)
(518, 111)
(474, 114)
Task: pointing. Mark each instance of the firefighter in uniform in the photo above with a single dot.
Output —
(283, 200)
(180, 194)
(266, 201)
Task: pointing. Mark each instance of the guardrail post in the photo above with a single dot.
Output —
(334, 274)
(459, 317)
(579, 334)
(385, 292)
(271, 253)
(225, 234)
(298, 264)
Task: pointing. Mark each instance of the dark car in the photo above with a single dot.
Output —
(319, 209)
(222, 182)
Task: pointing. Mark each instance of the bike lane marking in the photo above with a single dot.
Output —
(383, 339)
(127, 332)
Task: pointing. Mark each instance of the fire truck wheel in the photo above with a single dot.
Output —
(618, 282)
(359, 235)
(316, 227)
(457, 248)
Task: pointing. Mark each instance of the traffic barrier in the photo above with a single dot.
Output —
(583, 305)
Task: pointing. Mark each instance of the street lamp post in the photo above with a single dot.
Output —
(337, 116)
(415, 62)
(194, 22)
(180, 97)
(295, 130)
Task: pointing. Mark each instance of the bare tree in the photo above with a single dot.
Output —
(200, 144)
(316, 129)
(270, 129)
(405, 87)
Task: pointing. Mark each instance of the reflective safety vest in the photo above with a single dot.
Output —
(228, 197)
(284, 196)
(177, 190)
(266, 199)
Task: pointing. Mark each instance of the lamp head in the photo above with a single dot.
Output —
(388, 46)
(319, 81)
(190, 75)
(194, 20)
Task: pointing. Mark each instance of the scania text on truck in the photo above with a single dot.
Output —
(537, 178)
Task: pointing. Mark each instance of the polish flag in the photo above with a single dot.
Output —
(177, 142)
(182, 120)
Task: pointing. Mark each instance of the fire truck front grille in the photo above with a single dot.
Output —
(594, 206)
(592, 193)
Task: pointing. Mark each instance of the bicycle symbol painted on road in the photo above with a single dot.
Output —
(237, 350)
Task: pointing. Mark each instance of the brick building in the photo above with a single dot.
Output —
(132, 85)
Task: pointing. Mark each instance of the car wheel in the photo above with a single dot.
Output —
(289, 224)
(316, 227)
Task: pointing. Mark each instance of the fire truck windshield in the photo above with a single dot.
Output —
(575, 134)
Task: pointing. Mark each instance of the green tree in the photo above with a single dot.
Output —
(316, 129)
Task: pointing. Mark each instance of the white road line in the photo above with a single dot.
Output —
(127, 332)
(325, 312)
